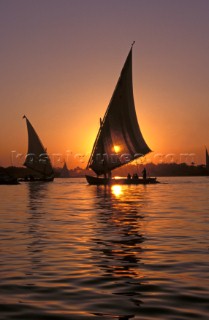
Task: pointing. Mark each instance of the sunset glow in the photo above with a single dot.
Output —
(64, 85)
(104, 159)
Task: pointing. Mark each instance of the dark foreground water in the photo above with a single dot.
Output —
(72, 251)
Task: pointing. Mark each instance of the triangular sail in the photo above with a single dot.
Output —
(37, 158)
(119, 140)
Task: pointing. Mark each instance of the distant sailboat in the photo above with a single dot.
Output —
(7, 178)
(119, 140)
(64, 172)
(207, 159)
(37, 159)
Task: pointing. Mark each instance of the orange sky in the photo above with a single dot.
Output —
(60, 61)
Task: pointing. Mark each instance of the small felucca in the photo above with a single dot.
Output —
(37, 158)
(119, 139)
(7, 178)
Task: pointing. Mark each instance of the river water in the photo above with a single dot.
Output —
(73, 251)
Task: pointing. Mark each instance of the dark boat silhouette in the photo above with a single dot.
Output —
(119, 139)
(37, 158)
(6, 178)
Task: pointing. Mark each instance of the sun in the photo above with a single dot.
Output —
(116, 149)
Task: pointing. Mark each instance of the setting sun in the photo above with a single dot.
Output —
(116, 149)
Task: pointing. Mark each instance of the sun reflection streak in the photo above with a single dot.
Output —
(117, 190)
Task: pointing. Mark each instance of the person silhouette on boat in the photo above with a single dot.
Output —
(135, 176)
(144, 174)
(128, 176)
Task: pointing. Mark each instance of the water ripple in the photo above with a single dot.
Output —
(72, 251)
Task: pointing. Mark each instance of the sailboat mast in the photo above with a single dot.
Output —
(95, 144)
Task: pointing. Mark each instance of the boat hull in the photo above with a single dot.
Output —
(106, 181)
(32, 179)
(9, 181)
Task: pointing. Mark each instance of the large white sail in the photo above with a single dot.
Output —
(119, 139)
(37, 158)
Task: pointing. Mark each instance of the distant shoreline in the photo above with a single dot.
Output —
(153, 170)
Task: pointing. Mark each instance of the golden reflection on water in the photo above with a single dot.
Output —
(117, 190)
(120, 249)
(118, 238)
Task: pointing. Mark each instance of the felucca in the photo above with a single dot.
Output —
(119, 139)
(37, 158)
